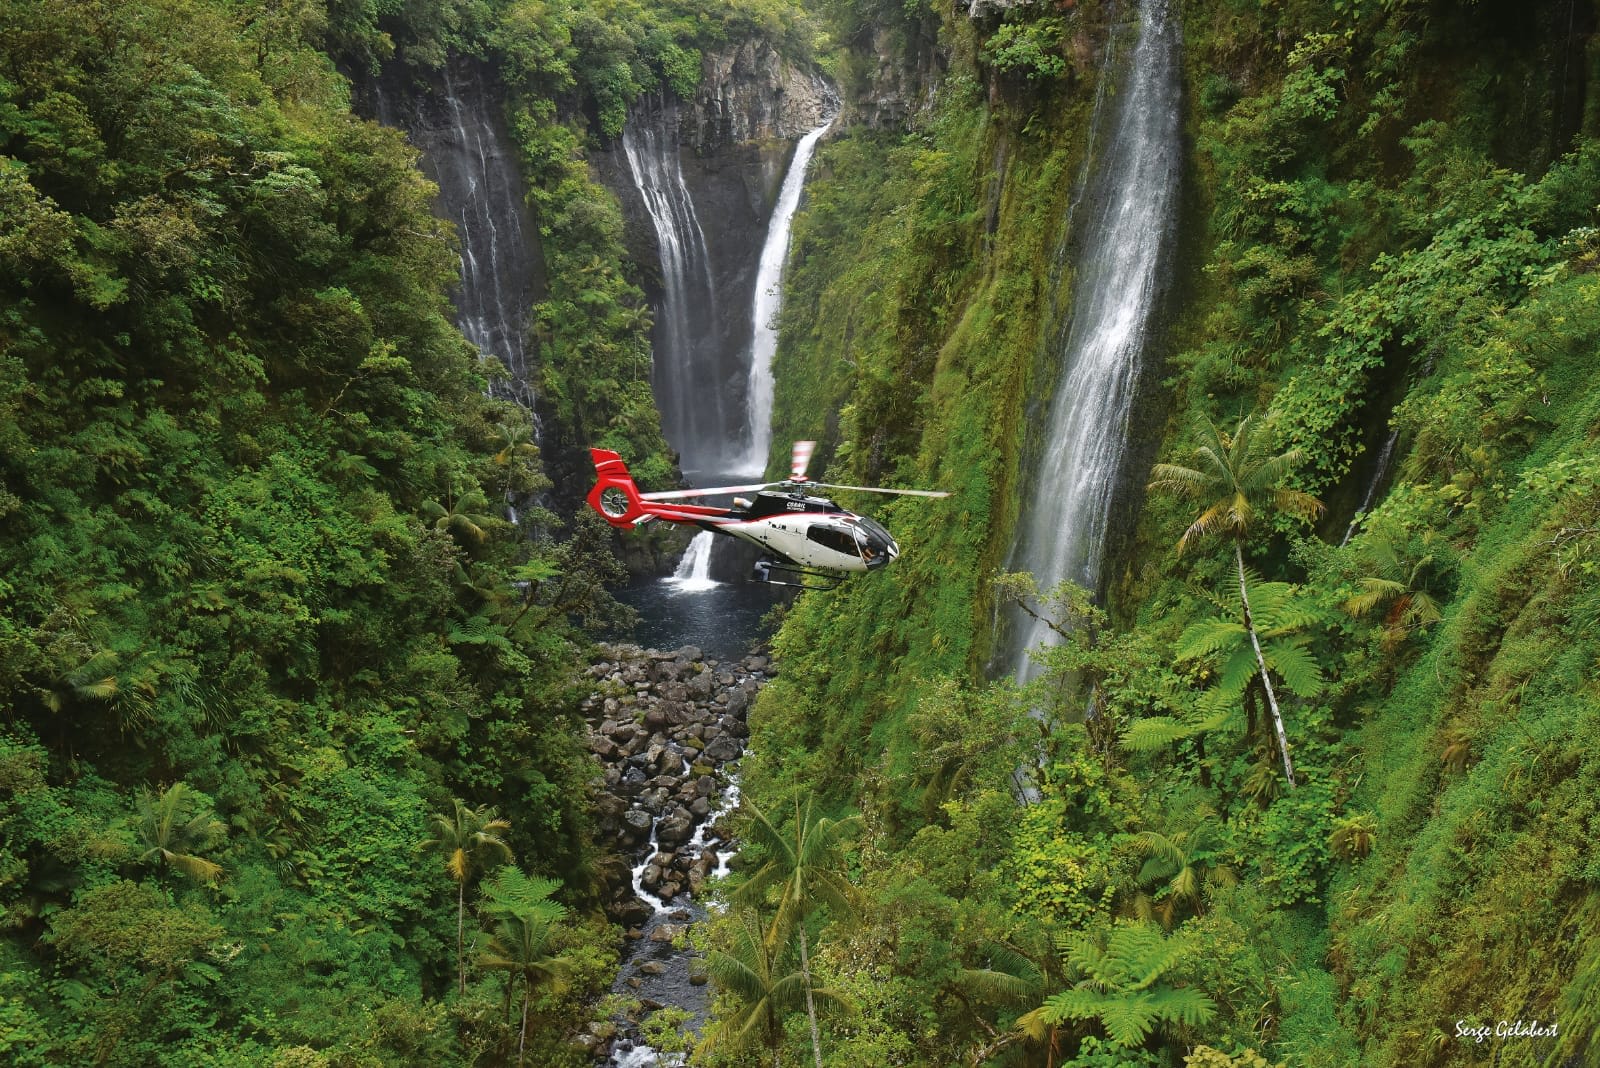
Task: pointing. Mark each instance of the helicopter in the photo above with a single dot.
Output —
(806, 540)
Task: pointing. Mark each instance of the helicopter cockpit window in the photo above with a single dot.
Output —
(874, 528)
(829, 538)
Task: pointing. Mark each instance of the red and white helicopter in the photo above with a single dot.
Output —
(802, 536)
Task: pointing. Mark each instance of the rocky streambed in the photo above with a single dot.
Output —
(668, 729)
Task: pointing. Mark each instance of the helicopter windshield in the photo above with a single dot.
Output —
(875, 530)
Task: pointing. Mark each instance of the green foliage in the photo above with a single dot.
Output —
(175, 821)
(755, 994)
(259, 614)
(1032, 48)
(1121, 981)
(1389, 210)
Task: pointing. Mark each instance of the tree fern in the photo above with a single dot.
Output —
(1123, 985)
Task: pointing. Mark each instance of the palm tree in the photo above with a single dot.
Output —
(803, 870)
(518, 453)
(463, 517)
(1238, 485)
(750, 970)
(1012, 976)
(94, 679)
(523, 939)
(172, 824)
(465, 838)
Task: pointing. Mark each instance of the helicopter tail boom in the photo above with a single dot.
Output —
(620, 503)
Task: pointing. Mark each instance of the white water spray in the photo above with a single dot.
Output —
(693, 417)
(1379, 473)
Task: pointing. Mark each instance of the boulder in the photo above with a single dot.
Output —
(724, 749)
(674, 830)
(632, 914)
(609, 810)
(636, 823)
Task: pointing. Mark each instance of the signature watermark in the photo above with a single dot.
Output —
(1505, 1029)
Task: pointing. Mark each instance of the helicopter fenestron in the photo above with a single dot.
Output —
(802, 536)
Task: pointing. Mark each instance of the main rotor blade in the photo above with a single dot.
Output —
(880, 489)
(714, 491)
(800, 459)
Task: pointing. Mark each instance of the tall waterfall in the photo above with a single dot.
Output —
(1122, 253)
(767, 303)
(465, 151)
(690, 386)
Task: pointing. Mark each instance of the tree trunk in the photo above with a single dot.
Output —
(522, 1042)
(811, 1007)
(461, 913)
(1261, 661)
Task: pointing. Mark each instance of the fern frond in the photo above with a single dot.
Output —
(1206, 636)
(1290, 658)
(1374, 592)
(1155, 732)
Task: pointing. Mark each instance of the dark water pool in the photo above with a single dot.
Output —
(723, 619)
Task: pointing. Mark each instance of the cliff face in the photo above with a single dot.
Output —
(729, 146)
(895, 77)
(750, 93)
(735, 138)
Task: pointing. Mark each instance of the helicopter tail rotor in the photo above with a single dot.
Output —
(614, 495)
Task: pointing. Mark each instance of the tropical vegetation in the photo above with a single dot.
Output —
(291, 769)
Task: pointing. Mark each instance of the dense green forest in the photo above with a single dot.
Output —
(1389, 225)
(290, 759)
(280, 683)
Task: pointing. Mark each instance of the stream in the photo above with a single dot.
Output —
(668, 729)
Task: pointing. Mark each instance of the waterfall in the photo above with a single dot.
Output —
(1122, 255)
(1379, 474)
(456, 125)
(767, 303)
(694, 570)
(685, 376)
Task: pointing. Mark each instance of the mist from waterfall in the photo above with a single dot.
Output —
(685, 373)
(768, 302)
(1122, 241)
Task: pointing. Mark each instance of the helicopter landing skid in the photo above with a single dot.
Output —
(766, 567)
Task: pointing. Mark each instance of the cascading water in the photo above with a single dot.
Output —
(768, 302)
(688, 382)
(1380, 474)
(694, 570)
(1122, 254)
(481, 191)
